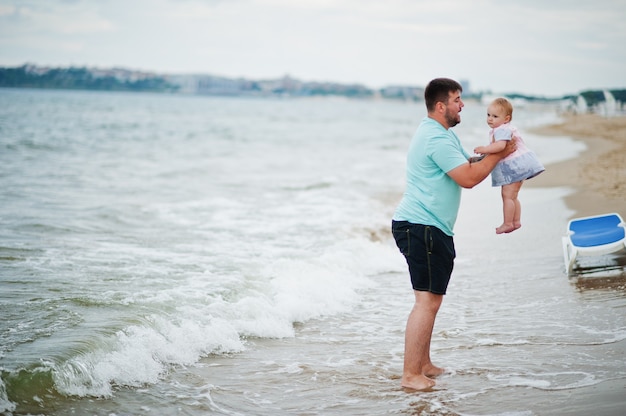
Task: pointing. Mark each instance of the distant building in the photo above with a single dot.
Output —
(403, 92)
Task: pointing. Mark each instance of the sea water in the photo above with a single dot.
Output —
(170, 254)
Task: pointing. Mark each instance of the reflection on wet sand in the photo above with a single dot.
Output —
(616, 283)
(608, 272)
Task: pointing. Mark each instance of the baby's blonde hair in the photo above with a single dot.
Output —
(505, 105)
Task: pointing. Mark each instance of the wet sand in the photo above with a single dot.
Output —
(598, 177)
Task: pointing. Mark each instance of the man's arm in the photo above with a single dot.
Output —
(469, 175)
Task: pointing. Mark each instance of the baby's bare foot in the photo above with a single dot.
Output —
(505, 228)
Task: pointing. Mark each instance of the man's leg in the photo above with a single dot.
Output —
(419, 329)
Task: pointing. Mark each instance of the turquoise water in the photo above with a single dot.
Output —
(166, 254)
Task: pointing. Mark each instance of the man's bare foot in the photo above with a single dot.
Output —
(432, 370)
(517, 225)
(505, 228)
(419, 382)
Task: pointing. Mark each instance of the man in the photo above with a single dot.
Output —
(437, 168)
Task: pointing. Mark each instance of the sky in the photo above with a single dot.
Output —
(538, 47)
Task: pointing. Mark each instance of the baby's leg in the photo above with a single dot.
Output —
(511, 208)
(517, 218)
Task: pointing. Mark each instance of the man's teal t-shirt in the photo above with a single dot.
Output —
(431, 196)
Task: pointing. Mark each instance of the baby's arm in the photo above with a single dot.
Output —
(494, 147)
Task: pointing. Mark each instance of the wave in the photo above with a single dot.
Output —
(199, 316)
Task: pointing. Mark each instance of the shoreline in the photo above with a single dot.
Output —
(598, 178)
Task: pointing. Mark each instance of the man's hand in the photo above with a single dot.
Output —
(472, 173)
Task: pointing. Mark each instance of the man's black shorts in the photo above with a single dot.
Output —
(429, 252)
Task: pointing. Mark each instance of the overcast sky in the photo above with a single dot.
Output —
(544, 47)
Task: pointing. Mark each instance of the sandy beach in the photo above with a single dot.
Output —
(598, 177)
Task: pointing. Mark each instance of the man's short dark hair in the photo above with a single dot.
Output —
(438, 90)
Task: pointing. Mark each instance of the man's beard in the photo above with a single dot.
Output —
(452, 121)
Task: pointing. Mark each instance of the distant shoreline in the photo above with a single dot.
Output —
(598, 177)
(122, 79)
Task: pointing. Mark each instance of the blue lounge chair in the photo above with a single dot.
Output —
(593, 236)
